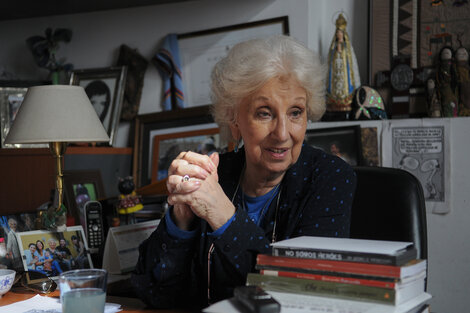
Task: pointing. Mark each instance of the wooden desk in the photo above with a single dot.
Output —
(130, 305)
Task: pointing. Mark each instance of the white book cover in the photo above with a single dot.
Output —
(344, 244)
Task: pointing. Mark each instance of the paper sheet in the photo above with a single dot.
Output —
(295, 303)
(122, 246)
(422, 147)
(47, 305)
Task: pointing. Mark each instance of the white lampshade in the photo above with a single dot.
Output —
(56, 113)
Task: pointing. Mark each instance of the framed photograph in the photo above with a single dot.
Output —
(344, 142)
(80, 187)
(10, 256)
(10, 102)
(148, 126)
(167, 147)
(52, 253)
(200, 50)
(105, 88)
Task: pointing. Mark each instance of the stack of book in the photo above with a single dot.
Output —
(386, 272)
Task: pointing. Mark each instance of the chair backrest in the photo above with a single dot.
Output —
(389, 205)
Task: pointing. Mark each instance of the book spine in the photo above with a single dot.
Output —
(322, 288)
(336, 256)
(334, 279)
(332, 266)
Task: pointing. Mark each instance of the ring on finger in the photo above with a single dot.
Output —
(185, 178)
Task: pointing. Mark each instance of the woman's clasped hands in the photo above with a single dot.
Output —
(194, 191)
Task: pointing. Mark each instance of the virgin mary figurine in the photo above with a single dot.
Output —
(343, 74)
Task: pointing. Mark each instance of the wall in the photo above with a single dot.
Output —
(97, 36)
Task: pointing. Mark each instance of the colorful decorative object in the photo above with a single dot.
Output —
(129, 201)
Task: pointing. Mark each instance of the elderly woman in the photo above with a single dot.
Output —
(227, 210)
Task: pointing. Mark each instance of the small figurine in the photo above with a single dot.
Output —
(463, 80)
(343, 73)
(446, 79)
(432, 99)
(129, 201)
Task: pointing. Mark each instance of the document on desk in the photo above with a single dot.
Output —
(121, 249)
(295, 303)
(39, 304)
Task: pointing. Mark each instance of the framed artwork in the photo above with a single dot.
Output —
(344, 142)
(105, 88)
(80, 187)
(148, 126)
(136, 67)
(52, 253)
(167, 147)
(10, 102)
(370, 147)
(200, 50)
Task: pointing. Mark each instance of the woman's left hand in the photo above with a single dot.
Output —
(208, 201)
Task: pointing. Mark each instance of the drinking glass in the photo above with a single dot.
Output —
(83, 290)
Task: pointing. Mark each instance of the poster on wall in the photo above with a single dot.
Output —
(421, 147)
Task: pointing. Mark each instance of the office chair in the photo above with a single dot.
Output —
(389, 205)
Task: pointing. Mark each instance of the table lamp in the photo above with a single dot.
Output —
(57, 115)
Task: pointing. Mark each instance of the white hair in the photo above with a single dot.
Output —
(251, 64)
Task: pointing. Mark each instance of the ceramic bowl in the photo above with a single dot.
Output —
(6, 280)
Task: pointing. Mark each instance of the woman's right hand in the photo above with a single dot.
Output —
(201, 167)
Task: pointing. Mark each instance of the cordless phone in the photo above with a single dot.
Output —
(92, 222)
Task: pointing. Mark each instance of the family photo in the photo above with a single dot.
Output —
(52, 253)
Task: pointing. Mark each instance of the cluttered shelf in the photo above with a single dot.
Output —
(28, 173)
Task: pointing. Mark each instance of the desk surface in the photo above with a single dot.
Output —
(130, 305)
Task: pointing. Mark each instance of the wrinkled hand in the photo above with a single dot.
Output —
(201, 195)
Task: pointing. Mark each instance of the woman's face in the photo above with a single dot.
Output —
(272, 123)
(39, 245)
(99, 103)
(339, 35)
(52, 244)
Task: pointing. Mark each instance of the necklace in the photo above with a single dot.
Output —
(276, 212)
(273, 237)
(273, 193)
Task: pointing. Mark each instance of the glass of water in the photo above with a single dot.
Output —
(83, 290)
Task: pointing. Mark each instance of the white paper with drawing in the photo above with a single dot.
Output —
(422, 147)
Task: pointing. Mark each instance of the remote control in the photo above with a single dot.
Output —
(256, 300)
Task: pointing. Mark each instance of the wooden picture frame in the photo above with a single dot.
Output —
(81, 186)
(105, 88)
(148, 126)
(344, 142)
(200, 50)
(25, 239)
(166, 147)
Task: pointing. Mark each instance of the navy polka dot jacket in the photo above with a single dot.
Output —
(315, 199)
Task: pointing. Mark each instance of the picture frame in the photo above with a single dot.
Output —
(82, 186)
(10, 102)
(73, 237)
(167, 147)
(344, 142)
(149, 125)
(200, 50)
(105, 88)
